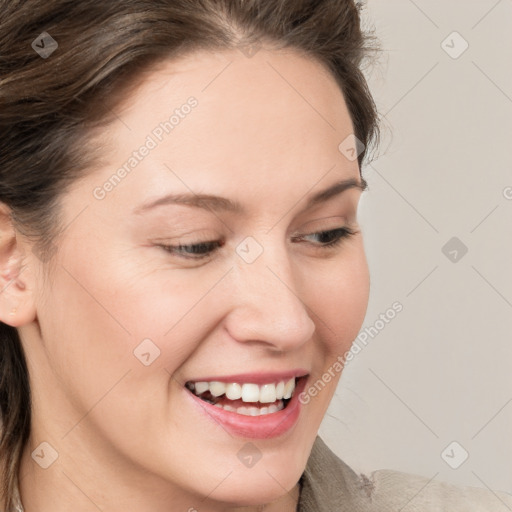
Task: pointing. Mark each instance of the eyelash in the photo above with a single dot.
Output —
(181, 250)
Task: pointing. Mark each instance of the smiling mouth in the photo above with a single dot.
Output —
(248, 399)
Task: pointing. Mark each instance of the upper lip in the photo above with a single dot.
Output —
(254, 377)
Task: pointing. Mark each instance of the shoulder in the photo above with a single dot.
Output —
(330, 484)
(414, 493)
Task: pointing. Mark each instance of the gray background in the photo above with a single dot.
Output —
(440, 371)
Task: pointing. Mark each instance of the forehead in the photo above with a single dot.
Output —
(258, 121)
(274, 94)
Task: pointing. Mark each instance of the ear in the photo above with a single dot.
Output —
(17, 305)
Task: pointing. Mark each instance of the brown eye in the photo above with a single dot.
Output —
(332, 237)
(195, 251)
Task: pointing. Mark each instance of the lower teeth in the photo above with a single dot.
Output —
(254, 411)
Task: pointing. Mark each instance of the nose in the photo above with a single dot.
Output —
(267, 306)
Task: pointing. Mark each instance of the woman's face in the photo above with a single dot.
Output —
(125, 325)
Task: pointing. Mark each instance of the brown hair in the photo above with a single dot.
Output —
(51, 102)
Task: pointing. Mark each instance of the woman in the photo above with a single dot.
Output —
(181, 259)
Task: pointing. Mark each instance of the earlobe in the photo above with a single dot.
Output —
(16, 299)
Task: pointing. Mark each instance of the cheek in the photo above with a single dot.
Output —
(97, 321)
(339, 299)
(125, 303)
(87, 344)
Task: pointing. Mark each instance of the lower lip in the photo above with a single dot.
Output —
(267, 426)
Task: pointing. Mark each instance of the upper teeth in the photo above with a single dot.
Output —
(266, 393)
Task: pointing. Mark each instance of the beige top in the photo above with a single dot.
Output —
(329, 485)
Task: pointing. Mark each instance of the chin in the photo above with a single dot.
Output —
(263, 483)
(251, 495)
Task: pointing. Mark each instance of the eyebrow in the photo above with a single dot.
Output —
(218, 203)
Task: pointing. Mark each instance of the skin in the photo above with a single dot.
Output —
(266, 133)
